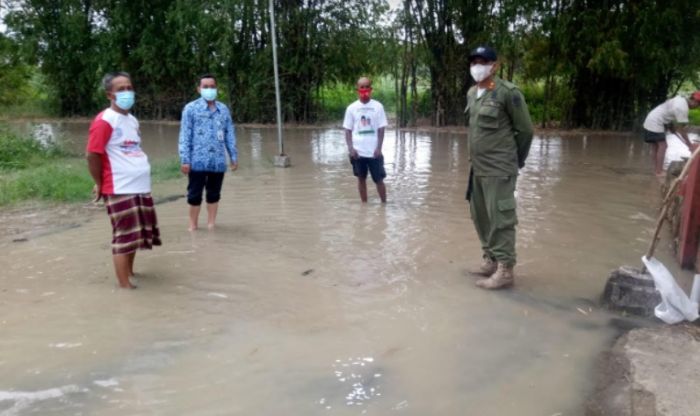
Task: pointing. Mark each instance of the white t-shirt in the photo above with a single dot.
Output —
(125, 168)
(365, 120)
(673, 110)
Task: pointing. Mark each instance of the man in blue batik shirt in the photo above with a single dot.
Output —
(206, 134)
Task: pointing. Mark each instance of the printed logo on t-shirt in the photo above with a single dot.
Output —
(131, 148)
(365, 125)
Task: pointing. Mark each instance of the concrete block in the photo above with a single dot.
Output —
(282, 161)
(631, 291)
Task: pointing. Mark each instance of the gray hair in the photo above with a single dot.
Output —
(109, 77)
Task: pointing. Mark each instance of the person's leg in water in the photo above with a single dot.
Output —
(194, 217)
(121, 269)
(381, 190)
(376, 168)
(362, 188)
(195, 187)
(213, 187)
(659, 157)
(132, 256)
(211, 214)
(360, 170)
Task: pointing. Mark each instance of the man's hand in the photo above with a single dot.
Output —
(185, 169)
(234, 166)
(377, 153)
(96, 194)
(353, 154)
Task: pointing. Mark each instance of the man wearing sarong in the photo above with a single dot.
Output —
(122, 176)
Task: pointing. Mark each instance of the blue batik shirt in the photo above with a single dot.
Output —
(206, 136)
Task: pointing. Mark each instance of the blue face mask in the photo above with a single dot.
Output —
(124, 99)
(208, 94)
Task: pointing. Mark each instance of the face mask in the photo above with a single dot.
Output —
(124, 99)
(208, 94)
(364, 93)
(480, 72)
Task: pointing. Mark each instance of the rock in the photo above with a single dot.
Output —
(649, 371)
(631, 291)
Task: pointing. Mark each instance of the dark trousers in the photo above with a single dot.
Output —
(198, 181)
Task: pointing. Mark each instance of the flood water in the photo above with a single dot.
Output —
(306, 302)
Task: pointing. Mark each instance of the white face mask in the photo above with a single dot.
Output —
(480, 72)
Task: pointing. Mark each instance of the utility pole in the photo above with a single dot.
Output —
(281, 160)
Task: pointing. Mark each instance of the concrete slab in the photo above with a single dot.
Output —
(650, 371)
(282, 161)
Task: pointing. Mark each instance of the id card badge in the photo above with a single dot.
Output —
(220, 135)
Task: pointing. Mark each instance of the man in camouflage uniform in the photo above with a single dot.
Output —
(500, 133)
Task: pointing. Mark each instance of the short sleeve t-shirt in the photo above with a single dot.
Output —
(673, 110)
(117, 139)
(365, 120)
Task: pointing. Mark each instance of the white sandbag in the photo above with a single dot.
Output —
(675, 305)
(676, 149)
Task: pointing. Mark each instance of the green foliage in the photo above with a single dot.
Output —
(334, 99)
(29, 170)
(545, 110)
(694, 116)
(166, 44)
(17, 152)
(64, 180)
(595, 63)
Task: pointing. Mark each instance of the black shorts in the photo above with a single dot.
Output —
(653, 137)
(198, 181)
(375, 166)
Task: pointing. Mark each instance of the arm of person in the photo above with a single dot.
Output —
(348, 124)
(682, 132)
(94, 161)
(522, 124)
(381, 125)
(348, 140)
(231, 143)
(185, 141)
(380, 141)
(98, 137)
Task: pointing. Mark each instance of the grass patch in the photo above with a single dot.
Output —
(32, 171)
(164, 170)
(65, 180)
(694, 116)
(18, 152)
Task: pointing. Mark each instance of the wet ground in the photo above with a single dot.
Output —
(305, 302)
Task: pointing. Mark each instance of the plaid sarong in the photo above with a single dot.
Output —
(134, 223)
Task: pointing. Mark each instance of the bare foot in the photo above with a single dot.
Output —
(128, 286)
(210, 226)
(192, 227)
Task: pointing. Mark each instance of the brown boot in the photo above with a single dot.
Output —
(487, 268)
(502, 279)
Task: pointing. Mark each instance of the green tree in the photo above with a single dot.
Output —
(58, 36)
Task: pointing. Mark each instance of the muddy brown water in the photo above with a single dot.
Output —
(305, 302)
